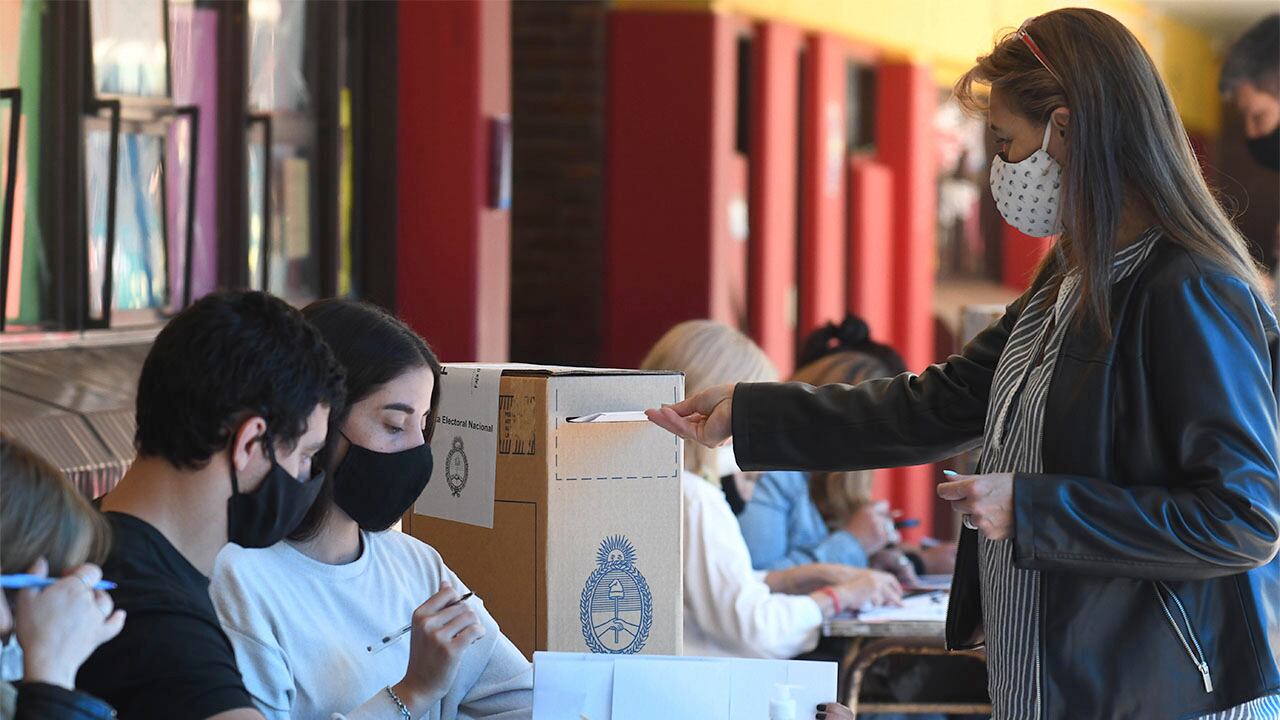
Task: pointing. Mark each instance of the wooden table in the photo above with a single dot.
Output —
(868, 642)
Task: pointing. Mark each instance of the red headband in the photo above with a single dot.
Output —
(1035, 49)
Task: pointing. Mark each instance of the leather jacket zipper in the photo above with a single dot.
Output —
(1196, 654)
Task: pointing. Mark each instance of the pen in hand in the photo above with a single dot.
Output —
(20, 581)
(386, 641)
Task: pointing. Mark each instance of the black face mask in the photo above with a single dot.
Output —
(267, 515)
(1266, 149)
(375, 488)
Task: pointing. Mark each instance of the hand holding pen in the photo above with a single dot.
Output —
(442, 629)
(386, 640)
(60, 623)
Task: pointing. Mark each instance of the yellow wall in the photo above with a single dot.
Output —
(949, 34)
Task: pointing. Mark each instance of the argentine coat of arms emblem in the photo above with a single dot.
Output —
(616, 609)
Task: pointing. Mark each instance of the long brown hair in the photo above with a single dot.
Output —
(847, 355)
(43, 515)
(1125, 138)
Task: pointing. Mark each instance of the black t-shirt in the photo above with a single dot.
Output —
(172, 660)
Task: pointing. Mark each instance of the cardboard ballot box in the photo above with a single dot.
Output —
(585, 550)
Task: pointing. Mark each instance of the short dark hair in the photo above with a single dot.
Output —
(1254, 58)
(851, 335)
(230, 356)
(374, 347)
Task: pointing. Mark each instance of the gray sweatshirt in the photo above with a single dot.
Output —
(301, 631)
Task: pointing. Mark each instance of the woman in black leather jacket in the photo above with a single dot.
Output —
(1119, 554)
(48, 529)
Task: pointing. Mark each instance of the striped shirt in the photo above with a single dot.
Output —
(1015, 423)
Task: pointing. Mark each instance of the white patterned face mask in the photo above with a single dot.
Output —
(1028, 193)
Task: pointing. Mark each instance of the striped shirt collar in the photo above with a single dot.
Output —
(1129, 257)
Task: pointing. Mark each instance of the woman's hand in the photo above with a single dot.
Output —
(894, 561)
(872, 526)
(60, 626)
(705, 418)
(987, 500)
(870, 587)
(441, 634)
(804, 579)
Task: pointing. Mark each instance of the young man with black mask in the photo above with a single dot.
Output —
(233, 401)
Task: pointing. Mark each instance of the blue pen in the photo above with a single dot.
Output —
(22, 581)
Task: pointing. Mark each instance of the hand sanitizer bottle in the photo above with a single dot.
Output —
(782, 707)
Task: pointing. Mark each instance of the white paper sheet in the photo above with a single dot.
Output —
(464, 447)
(569, 686)
(931, 607)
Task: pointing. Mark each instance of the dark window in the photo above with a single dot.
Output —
(742, 120)
(860, 108)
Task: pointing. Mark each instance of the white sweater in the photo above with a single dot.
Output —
(301, 629)
(728, 608)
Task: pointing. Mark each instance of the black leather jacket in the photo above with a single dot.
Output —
(1160, 487)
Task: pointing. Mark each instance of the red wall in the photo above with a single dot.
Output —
(670, 176)
(1021, 254)
(823, 168)
(453, 269)
(907, 100)
(772, 267)
(870, 293)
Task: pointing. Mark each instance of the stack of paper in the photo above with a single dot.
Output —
(930, 607)
(571, 686)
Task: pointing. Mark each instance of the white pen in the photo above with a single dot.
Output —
(382, 645)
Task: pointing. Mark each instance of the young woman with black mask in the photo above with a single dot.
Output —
(328, 596)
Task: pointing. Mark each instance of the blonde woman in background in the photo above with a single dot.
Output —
(730, 609)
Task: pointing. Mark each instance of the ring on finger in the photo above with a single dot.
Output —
(968, 522)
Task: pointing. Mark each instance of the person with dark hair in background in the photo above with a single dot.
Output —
(233, 402)
(344, 569)
(1251, 79)
(47, 529)
(1120, 539)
